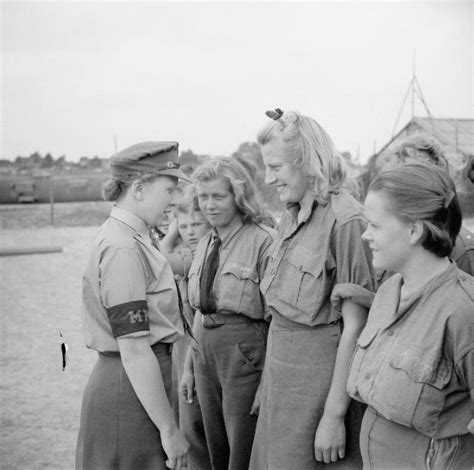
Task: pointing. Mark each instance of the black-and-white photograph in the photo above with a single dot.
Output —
(237, 235)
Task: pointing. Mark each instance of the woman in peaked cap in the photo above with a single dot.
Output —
(131, 318)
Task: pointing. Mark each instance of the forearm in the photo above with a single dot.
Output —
(143, 371)
(338, 400)
(188, 361)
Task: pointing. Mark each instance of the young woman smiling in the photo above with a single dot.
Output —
(414, 361)
(230, 323)
(318, 285)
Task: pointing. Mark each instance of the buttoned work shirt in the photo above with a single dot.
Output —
(128, 287)
(243, 256)
(414, 360)
(319, 262)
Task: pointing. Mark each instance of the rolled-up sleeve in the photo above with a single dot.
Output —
(123, 292)
(354, 278)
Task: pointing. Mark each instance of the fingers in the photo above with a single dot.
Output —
(171, 463)
(342, 453)
(319, 455)
(329, 455)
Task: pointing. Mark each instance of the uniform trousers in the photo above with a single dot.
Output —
(116, 432)
(298, 373)
(388, 445)
(228, 364)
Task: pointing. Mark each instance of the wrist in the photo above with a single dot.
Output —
(168, 429)
(334, 413)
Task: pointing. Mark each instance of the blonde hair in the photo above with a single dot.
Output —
(311, 148)
(240, 185)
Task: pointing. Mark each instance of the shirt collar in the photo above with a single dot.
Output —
(294, 208)
(131, 220)
(234, 227)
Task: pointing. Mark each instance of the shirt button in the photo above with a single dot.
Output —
(367, 376)
(390, 333)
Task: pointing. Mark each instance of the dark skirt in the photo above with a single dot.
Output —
(116, 431)
(298, 373)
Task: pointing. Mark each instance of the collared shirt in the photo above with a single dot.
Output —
(319, 262)
(414, 360)
(243, 257)
(128, 287)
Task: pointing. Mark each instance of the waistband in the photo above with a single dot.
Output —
(158, 348)
(213, 320)
(286, 324)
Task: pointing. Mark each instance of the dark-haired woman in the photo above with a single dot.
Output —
(131, 318)
(414, 361)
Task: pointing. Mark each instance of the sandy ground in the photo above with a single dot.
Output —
(40, 295)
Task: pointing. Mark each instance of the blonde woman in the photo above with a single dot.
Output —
(318, 285)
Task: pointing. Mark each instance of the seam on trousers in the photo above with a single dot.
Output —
(455, 454)
(368, 439)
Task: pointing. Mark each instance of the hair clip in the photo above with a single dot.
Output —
(275, 114)
(448, 200)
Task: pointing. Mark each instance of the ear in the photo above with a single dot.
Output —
(137, 190)
(417, 232)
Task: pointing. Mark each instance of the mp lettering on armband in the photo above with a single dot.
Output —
(130, 317)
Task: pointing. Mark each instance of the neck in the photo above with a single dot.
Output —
(223, 231)
(420, 268)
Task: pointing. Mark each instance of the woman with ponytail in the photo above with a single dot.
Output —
(414, 361)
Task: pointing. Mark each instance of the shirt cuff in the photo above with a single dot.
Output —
(357, 294)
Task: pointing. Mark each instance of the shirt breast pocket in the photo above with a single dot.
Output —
(415, 394)
(304, 280)
(238, 287)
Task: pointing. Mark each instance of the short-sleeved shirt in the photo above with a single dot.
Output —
(414, 360)
(128, 287)
(319, 262)
(243, 256)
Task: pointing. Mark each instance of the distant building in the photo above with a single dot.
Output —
(457, 135)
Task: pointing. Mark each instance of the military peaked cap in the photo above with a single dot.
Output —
(148, 157)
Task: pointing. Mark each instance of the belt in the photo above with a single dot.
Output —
(213, 320)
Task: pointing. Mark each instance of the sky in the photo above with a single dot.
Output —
(83, 78)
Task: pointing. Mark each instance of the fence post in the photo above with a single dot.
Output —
(51, 196)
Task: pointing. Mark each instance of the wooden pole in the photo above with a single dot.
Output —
(51, 196)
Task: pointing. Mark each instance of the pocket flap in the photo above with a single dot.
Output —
(306, 261)
(240, 270)
(437, 374)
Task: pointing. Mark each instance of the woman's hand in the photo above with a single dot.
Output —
(186, 387)
(330, 439)
(176, 449)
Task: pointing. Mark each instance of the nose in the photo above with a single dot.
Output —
(211, 203)
(366, 235)
(269, 176)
